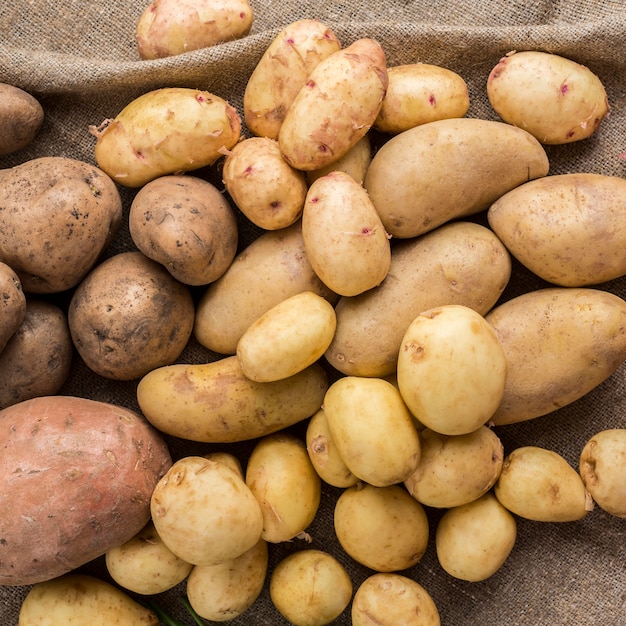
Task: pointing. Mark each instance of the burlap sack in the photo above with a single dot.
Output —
(79, 58)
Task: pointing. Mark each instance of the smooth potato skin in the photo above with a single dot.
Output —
(13, 304)
(21, 119)
(71, 491)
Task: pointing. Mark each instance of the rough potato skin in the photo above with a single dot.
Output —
(21, 118)
(12, 304)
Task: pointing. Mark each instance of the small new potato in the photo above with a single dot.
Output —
(21, 119)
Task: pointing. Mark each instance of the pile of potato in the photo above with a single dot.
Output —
(368, 309)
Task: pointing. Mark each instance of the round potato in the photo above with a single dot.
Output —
(13, 301)
(21, 119)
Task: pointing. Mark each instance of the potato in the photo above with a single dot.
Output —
(344, 238)
(459, 263)
(419, 93)
(389, 599)
(336, 106)
(226, 590)
(71, 491)
(13, 304)
(310, 588)
(383, 528)
(165, 131)
(451, 369)
(552, 97)
(170, 27)
(455, 469)
(282, 71)
(59, 215)
(474, 540)
(37, 359)
(130, 316)
(382, 446)
(603, 469)
(82, 599)
(216, 403)
(265, 188)
(21, 119)
(271, 269)
(449, 169)
(204, 512)
(144, 564)
(230, 460)
(354, 162)
(286, 485)
(287, 339)
(187, 225)
(540, 485)
(568, 229)
(560, 343)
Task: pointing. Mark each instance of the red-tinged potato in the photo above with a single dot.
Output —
(335, 107)
(165, 131)
(354, 162)
(77, 477)
(554, 98)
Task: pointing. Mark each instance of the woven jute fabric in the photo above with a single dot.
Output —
(79, 58)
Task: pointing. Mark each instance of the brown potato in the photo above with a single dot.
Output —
(13, 304)
(21, 119)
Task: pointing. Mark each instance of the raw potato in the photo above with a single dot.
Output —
(71, 491)
(451, 369)
(287, 339)
(204, 512)
(344, 239)
(130, 316)
(552, 97)
(540, 485)
(286, 485)
(13, 301)
(455, 470)
(37, 359)
(21, 119)
(459, 263)
(372, 429)
(226, 590)
(449, 169)
(59, 215)
(568, 229)
(170, 27)
(216, 403)
(282, 71)
(336, 107)
(354, 162)
(383, 528)
(310, 588)
(145, 565)
(560, 343)
(389, 599)
(165, 131)
(82, 599)
(187, 225)
(474, 540)
(419, 93)
(603, 470)
(271, 269)
(265, 188)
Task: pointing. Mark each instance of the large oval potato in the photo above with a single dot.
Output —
(21, 119)
(560, 343)
(458, 263)
(71, 491)
(447, 169)
(569, 229)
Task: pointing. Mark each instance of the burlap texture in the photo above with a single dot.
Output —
(79, 58)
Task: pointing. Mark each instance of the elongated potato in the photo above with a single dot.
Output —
(216, 402)
(560, 343)
(448, 169)
(458, 263)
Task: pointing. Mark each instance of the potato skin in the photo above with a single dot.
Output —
(75, 204)
(70, 491)
(21, 118)
(13, 304)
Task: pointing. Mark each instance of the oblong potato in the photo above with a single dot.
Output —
(447, 169)
(21, 119)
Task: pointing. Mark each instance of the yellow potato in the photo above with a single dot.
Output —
(447, 169)
(568, 229)
(344, 238)
(216, 403)
(451, 369)
(552, 97)
(560, 343)
(419, 93)
(287, 339)
(354, 162)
